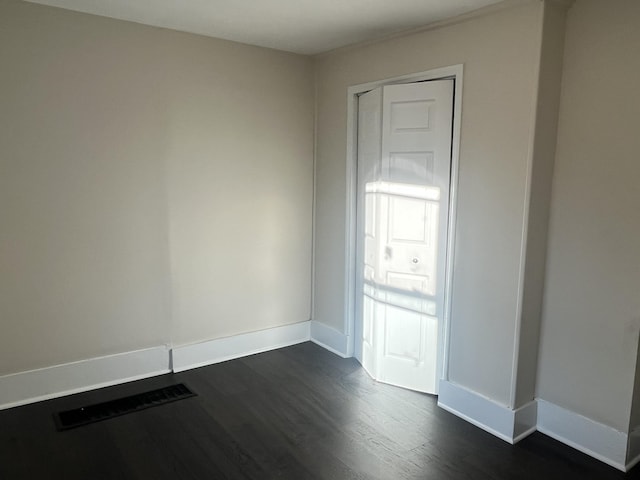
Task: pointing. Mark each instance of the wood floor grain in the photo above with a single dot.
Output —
(296, 413)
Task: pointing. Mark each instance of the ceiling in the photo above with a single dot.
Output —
(300, 26)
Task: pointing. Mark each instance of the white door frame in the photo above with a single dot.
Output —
(352, 328)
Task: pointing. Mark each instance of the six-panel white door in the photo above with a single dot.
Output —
(404, 158)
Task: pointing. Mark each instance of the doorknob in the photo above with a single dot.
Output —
(415, 260)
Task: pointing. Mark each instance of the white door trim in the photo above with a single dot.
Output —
(351, 329)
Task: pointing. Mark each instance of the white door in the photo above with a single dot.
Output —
(404, 159)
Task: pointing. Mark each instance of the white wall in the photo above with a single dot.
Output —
(500, 53)
(146, 175)
(592, 306)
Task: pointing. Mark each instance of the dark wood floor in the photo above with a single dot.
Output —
(296, 413)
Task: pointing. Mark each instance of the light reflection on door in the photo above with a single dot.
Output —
(400, 273)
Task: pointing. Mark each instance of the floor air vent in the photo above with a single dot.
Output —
(121, 406)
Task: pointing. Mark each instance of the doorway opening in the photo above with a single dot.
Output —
(402, 171)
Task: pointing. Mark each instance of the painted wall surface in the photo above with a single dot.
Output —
(592, 307)
(144, 172)
(240, 179)
(83, 236)
(500, 53)
(542, 163)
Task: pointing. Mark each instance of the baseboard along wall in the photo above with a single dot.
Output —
(619, 449)
(509, 425)
(75, 377)
(223, 349)
(60, 380)
(330, 339)
(593, 438)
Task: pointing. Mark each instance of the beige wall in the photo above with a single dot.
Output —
(541, 174)
(146, 174)
(240, 184)
(592, 306)
(500, 53)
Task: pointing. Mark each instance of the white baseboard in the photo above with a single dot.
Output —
(499, 420)
(228, 348)
(330, 338)
(60, 380)
(633, 450)
(617, 449)
(525, 421)
(595, 439)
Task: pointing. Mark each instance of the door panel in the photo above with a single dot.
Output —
(367, 221)
(411, 168)
(410, 115)
(404, 154)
